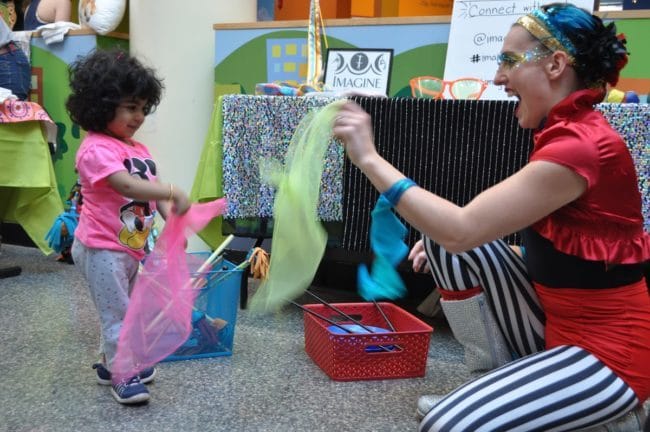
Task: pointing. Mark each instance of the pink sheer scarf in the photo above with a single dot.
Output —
(158, 319)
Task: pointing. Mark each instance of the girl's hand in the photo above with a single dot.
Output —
(419, 258)
(352, 125)
(180, 200)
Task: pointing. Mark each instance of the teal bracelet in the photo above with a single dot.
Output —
(395, 192)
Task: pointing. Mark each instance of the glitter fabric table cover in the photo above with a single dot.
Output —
(458, 148)
(632, 121)
(454, 148)
(258, 129)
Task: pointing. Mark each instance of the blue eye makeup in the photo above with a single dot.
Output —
(511, 60)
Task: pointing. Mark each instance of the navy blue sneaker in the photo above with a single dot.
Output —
(130, 392)
(104, 376)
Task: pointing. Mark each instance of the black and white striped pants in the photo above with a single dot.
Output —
(565, 388)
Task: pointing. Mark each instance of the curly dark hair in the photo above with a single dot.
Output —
(103, 79)
(600, 53)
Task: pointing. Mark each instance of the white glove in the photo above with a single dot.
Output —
(54, 32)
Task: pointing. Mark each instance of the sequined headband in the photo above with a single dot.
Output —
(538, 24)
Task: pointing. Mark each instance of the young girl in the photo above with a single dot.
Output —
(111, 95)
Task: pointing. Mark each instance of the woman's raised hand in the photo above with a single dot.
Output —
(353, 127)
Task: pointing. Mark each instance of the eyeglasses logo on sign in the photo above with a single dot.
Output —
(367, 70)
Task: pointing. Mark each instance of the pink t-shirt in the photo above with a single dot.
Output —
(108, 219)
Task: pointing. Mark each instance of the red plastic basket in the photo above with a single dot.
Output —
(351, 357)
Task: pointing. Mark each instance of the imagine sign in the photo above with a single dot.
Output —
(366, 70)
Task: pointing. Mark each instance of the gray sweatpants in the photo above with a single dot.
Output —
(110, 276)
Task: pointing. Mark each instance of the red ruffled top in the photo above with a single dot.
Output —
(605, 223)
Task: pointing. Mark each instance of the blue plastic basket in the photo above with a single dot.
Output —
(218, 300)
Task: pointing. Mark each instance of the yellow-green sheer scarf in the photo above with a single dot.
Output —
(299, 239)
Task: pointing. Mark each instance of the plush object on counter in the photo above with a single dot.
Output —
(103, 16)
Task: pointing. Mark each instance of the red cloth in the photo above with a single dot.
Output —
(605, 223)
(459, 295)
(613, 324)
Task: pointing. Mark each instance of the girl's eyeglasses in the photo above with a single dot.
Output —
(511, 60)
(434, 88)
